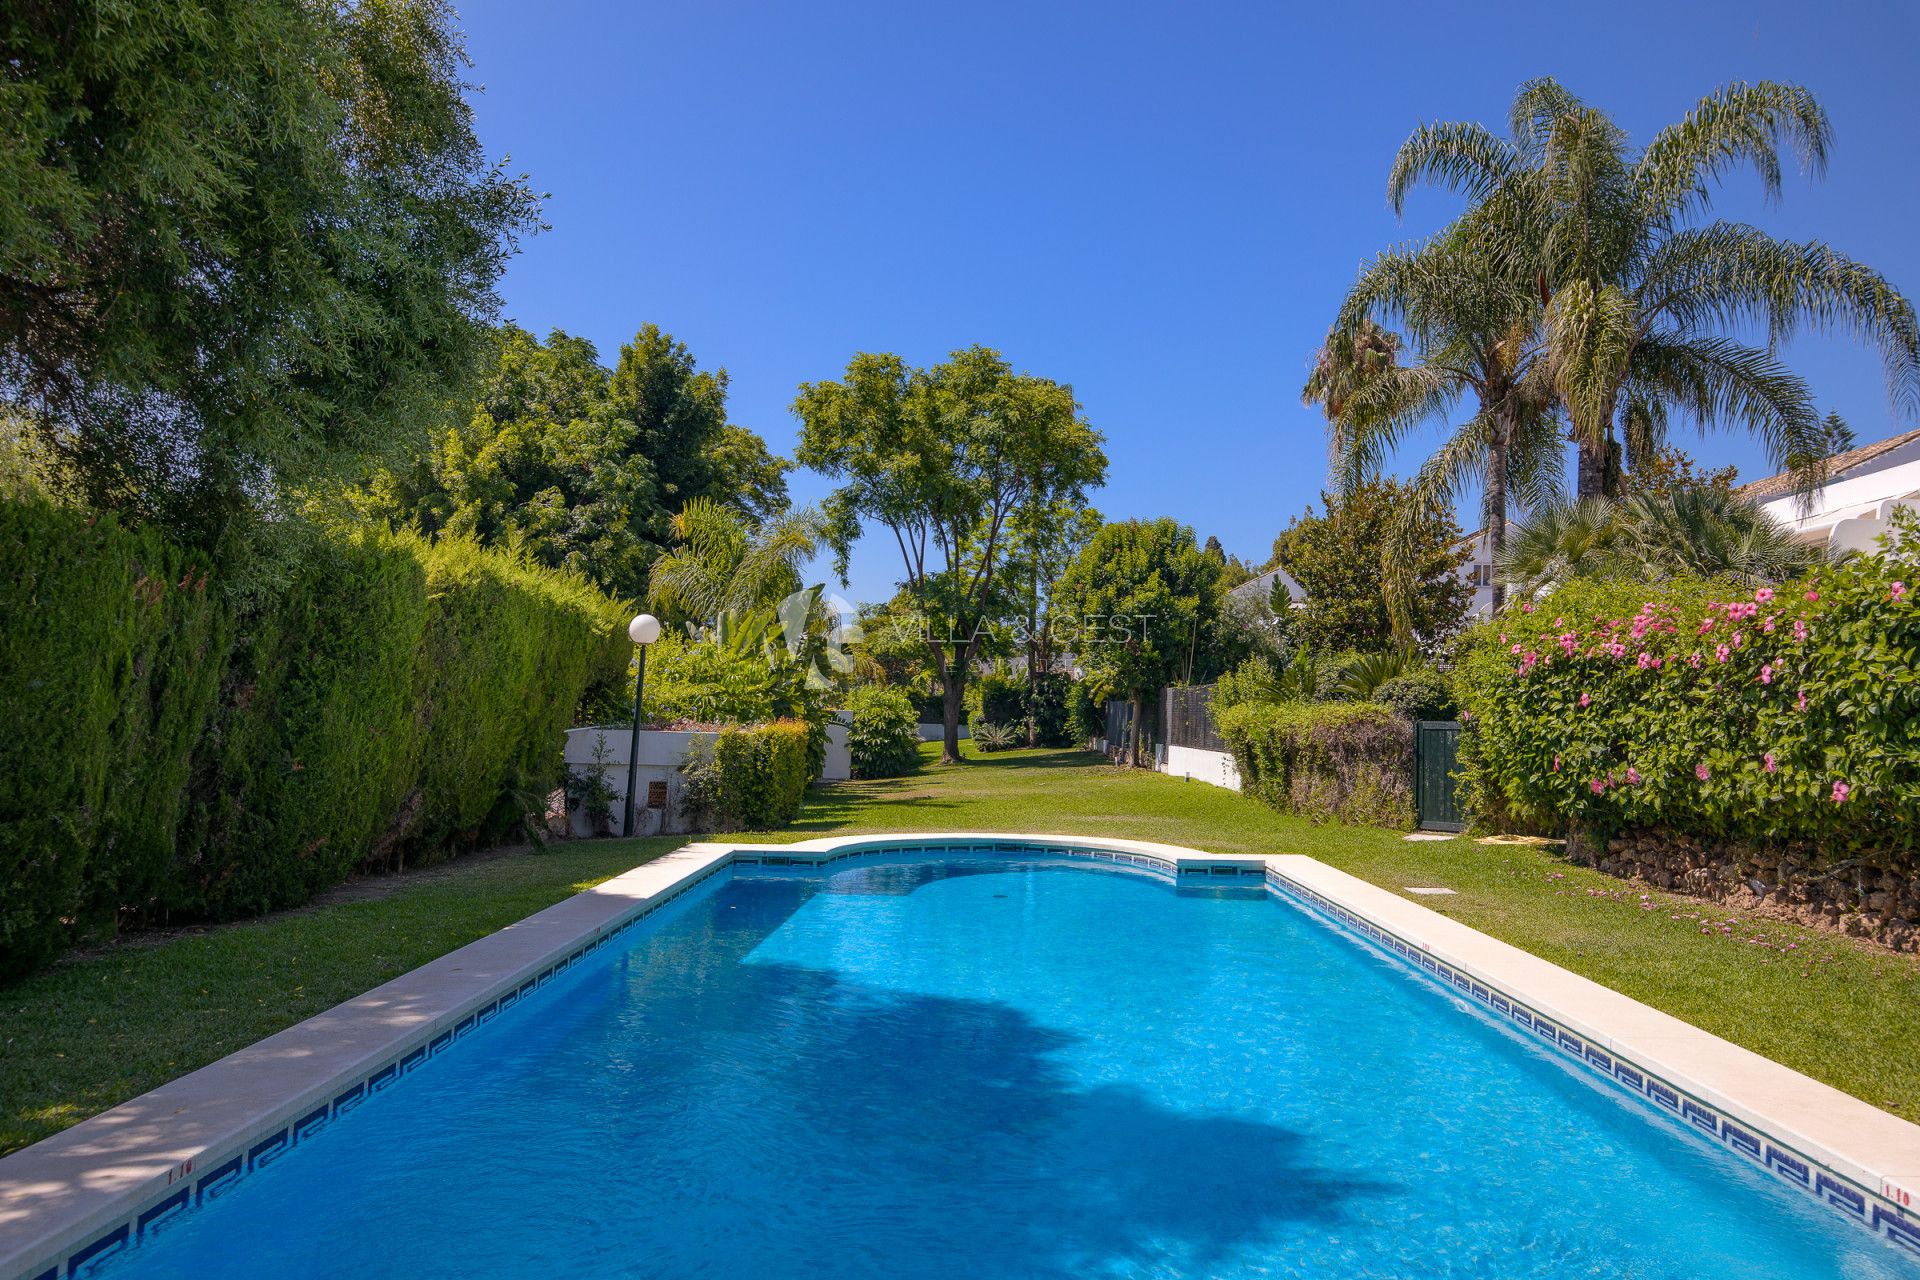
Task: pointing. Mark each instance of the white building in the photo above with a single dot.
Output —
(1863, 487)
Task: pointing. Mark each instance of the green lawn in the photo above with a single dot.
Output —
(96, 1030)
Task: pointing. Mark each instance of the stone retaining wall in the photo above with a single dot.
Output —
(1790, 883)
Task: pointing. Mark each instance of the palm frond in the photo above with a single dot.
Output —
(1739, 124)
(1460, 157)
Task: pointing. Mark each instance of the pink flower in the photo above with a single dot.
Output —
(1633, 776)
(1898, 589)
(1801, 703)
(1515, 649)
(1813, 595)
(1722, 652)
(1659, 663)
(1771, 766)
(1599, 786)
(1706, 625)
(1693, 660)
(1556, 764)
(1840, 792)
(1738, 639)
(1766, 674)
(1527, 608)
(1567, 642)
(1646, 660)
(1763, 595)
(1768, 625)
(1584, 699)
(1799, 630)
(1701, 772)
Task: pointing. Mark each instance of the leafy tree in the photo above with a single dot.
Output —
(1048, 533)
(582, 467)
(1639, 293)
(1145, 598)
(943, 458)
(1335, 558)
(243, 243)
(1671, 470)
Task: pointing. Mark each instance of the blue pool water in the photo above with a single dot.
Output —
(994, 1069)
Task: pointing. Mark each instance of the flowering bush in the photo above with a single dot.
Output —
(1778, 713)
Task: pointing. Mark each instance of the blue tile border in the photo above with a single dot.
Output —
(1852, 1201)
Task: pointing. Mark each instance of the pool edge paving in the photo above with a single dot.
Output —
(90, 1192)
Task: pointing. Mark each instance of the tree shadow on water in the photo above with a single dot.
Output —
(903, 1134)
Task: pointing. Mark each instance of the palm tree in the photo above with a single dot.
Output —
(1702, 531)
(723, 564)
(1471, 331)
(1636, 294)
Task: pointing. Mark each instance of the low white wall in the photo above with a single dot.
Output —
(935, 732)
(1216, 767)
(662, 751)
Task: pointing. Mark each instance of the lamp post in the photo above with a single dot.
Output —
(643, 631)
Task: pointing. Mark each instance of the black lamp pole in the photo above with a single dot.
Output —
(633, 744)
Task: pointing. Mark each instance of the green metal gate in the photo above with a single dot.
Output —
(1436, 755)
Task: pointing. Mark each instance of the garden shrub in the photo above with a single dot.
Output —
(884, 737)
(988, 736)
(1788, 713)
(1047, 703)
(995, 697)
(111, 646)
(1345, 762)
(749, 778)
(1086, 718)
(1420, 694)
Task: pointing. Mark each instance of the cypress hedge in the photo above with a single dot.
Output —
(166, 753)
(1326, 761)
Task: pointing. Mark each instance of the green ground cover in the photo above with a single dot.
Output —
(99, 1028)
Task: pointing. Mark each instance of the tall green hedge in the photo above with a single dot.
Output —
(166, 754)
(111, 645)
(1777, 713)
(1332, 761)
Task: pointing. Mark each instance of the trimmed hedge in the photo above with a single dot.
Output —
(1788, 713)
(1421, 694)
(1339, 761)
(884, 737)
(752, 778)
(111, 646)
(165, 754)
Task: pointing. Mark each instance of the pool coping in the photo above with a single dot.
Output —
(87, 1192)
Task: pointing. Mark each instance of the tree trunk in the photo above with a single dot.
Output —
(952, 697)
(1133, 729)
(1599, 474)
(1033, 659)
(1497, 461)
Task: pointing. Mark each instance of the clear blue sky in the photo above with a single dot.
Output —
(1160, 205)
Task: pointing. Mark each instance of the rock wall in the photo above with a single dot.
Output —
(1791, 883)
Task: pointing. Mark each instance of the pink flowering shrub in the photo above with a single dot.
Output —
(1708, 708)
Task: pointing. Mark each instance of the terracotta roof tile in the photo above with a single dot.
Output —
(1839, 464)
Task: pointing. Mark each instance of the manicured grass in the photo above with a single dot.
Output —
(94, 1031)
(97, 1030)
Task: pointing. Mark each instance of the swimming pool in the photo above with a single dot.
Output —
(995, 1066)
